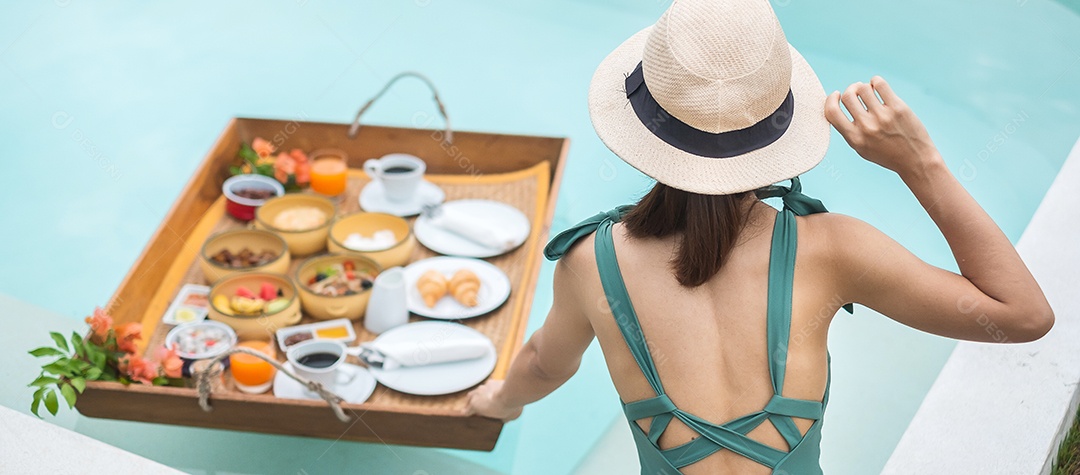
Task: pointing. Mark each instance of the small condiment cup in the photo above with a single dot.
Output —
(244, 208)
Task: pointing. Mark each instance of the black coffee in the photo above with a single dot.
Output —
(318, 360)
(394, 170)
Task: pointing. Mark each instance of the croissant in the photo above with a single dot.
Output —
(432, 286)
(464, 287)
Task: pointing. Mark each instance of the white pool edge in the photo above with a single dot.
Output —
(31, 445)
(1006, 408)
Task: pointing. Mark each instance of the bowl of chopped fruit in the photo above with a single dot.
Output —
(336, 285)
(255, 304)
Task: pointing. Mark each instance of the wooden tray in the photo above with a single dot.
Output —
(522, 171)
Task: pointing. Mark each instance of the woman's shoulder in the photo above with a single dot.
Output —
(836, 225)
(838, 238)
(581, 254)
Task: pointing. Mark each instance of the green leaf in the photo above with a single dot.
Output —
(51, 403)
(79, 384)
(79, 344)
(44, 381)
(60, 341)
(69, 394)
(265, 169)
(72, 365)
(46, 351)
(93, 374)
(160, 381)
(99, 360)
(235, 170)
(58, 367)
(248, 154)
(175, 382)
(37, 402)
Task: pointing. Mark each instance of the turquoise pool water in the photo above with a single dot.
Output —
(107, 107)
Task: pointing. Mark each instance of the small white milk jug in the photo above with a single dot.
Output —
(387, 308)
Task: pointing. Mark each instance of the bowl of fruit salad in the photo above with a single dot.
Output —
(255, 304)
(336, 285)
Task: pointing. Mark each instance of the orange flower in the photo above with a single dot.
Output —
(262, 147)
(303, 166)
(298, 155)
(126, 335)
(100, 322)
(138, 369)
(284, 166)
(170, 361)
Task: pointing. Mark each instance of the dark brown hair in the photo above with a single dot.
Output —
(707, 227)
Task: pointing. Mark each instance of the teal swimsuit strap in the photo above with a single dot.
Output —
(614, 288)
(782, 272)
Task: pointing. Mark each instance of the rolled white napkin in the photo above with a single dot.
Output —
(420, 353)
(470, 227)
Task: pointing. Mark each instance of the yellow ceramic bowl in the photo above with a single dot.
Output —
(366, 224)
(304, 241)
(324, 307)
(234, 240)
(260, 326)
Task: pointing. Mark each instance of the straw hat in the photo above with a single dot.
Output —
(711, 99)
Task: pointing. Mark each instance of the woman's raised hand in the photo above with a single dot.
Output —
(882, 128)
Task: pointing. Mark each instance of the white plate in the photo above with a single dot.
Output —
(356, 391)
(500, 215)
(373, 199)
(494, 288)
(441, 378)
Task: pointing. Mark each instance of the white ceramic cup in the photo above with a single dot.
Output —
(399, 173)
(337, 373)
(387, 307)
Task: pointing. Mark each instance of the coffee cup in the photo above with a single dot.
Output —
(322, 361)
(399, 173)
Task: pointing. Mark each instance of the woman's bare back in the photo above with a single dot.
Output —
(709, 343)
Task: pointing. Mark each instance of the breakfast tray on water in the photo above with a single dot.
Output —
(521, 171)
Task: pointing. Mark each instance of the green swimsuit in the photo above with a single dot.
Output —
(802, 458)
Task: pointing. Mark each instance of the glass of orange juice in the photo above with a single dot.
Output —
(329, 171)
(252, 374)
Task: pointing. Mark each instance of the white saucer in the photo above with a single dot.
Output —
(508, 218)
(441, 378)
(373, 199)
(355, 392)
(494, 288)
